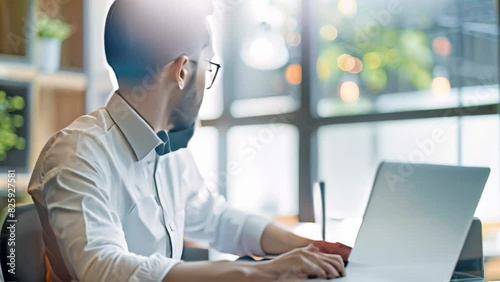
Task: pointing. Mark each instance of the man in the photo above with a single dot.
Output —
(117, 191)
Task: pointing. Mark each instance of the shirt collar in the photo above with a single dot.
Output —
(136, 130)
(174, 140)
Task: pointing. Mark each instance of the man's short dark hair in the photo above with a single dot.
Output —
(143, 35)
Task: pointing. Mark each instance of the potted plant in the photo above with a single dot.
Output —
(51, 34)
(10, 122)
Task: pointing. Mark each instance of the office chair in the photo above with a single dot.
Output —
(29, 248)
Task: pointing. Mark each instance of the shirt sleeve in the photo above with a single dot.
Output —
(209, 218)
(88, 232)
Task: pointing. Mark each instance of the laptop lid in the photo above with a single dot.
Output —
(418, 215)
(470, 263)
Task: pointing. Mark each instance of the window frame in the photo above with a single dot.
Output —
(308, 122)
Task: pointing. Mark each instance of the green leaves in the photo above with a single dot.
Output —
(10, 122)
(53, 28)
(388, 54)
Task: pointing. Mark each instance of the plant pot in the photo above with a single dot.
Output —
(49, 58)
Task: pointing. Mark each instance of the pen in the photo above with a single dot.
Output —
(323, 209)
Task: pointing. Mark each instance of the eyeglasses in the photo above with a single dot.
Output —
(213, 69)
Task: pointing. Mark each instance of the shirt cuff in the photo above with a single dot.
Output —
(155, 268)
(252, 233)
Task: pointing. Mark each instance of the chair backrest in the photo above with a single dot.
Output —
(25, 231)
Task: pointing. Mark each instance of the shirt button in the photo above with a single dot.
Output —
(171, 226)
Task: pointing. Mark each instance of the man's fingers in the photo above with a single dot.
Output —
(338, 264)
(328, 265)
(311, 262)
(336, 261)
(333, 265)
(313, 269)
(334, 257)
(313, 248)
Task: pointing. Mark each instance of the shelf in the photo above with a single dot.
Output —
(56, 101)
(63, 79)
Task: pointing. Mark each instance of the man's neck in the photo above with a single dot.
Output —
(154, 107)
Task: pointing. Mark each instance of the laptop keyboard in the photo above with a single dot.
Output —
(460, 276)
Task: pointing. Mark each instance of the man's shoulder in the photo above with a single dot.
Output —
(84, 138)
(87, 128)
(82, 146)
(95, 123)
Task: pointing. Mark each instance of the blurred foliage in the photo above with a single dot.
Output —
(10, 122)
(392, 53)
(53, 28)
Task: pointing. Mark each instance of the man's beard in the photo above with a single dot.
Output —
(186, 111)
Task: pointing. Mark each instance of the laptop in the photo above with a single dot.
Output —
(470, 265)
(416, 222)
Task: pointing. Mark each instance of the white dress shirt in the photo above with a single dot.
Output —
(112, 209)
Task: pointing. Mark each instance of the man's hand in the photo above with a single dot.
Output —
(334, 248)
(303, 263)
(278, 240)
(296, 265)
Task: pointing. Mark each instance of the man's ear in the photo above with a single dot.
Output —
(180, 73)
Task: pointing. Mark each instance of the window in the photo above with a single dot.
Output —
(205, 151)
(397, 62)
(361, 81)
(351, 153)
(263, 168)
(347, 164)
(484, 132)
(265, 47)
(387, 56)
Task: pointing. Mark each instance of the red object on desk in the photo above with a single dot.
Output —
(334, 248)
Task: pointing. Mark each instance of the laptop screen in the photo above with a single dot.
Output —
(471, 258)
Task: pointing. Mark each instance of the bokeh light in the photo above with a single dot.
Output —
(293, 38)
(323, 69)
(328, 32)
(422, 79)
(372, 60)
(348, 7)
(265, 49)
(293, 74)
(441, 46)
(441, 86)
(261, 46)
(346, 62)
(349, 92)
(392, 58)
(358, 66)
(376, 79)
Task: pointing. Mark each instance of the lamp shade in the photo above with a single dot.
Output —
(265, 49)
